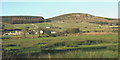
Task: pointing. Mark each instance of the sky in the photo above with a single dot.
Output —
(60, 0)
(51, 9)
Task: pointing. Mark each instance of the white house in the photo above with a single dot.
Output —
(48, 27)
(53, 32)
(41, 31)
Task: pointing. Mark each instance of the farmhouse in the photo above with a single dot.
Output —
(53, 32)
(48, 27)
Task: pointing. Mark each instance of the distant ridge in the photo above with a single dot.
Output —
(80, 17)
(22, 19)
(21, 16)
(70, 17)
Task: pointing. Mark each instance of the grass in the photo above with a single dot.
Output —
(29, 42)
(86, 46)
(22, 26)
(89, 26)
(84, 26)
(38, 45)
(85, 54)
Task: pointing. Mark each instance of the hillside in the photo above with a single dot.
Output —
(85, 22)
(80, 17)
(71, 17)
(74, 35)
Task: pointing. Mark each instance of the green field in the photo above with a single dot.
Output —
(73, 35)
(93, 46)
(84, 54)
(84, 46)
(84, 26)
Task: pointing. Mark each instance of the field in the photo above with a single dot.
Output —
(70, 35)
(85, 46)
(93, 41)
(84, 26)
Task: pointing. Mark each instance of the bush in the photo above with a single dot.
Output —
(71, 44)
(47, 31)
(73, 30)
(53, 35)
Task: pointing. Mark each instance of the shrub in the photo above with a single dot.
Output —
(53, 35)
(47, 31)
(73, 30)
(71, 44)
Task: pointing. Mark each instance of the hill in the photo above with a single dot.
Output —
(80, 17)
(85, 22)
(71, 17)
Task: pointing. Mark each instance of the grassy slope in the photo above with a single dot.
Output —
(35, 45)
(51, 40)
(85, 54)
(64, 26)
(79, 17)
